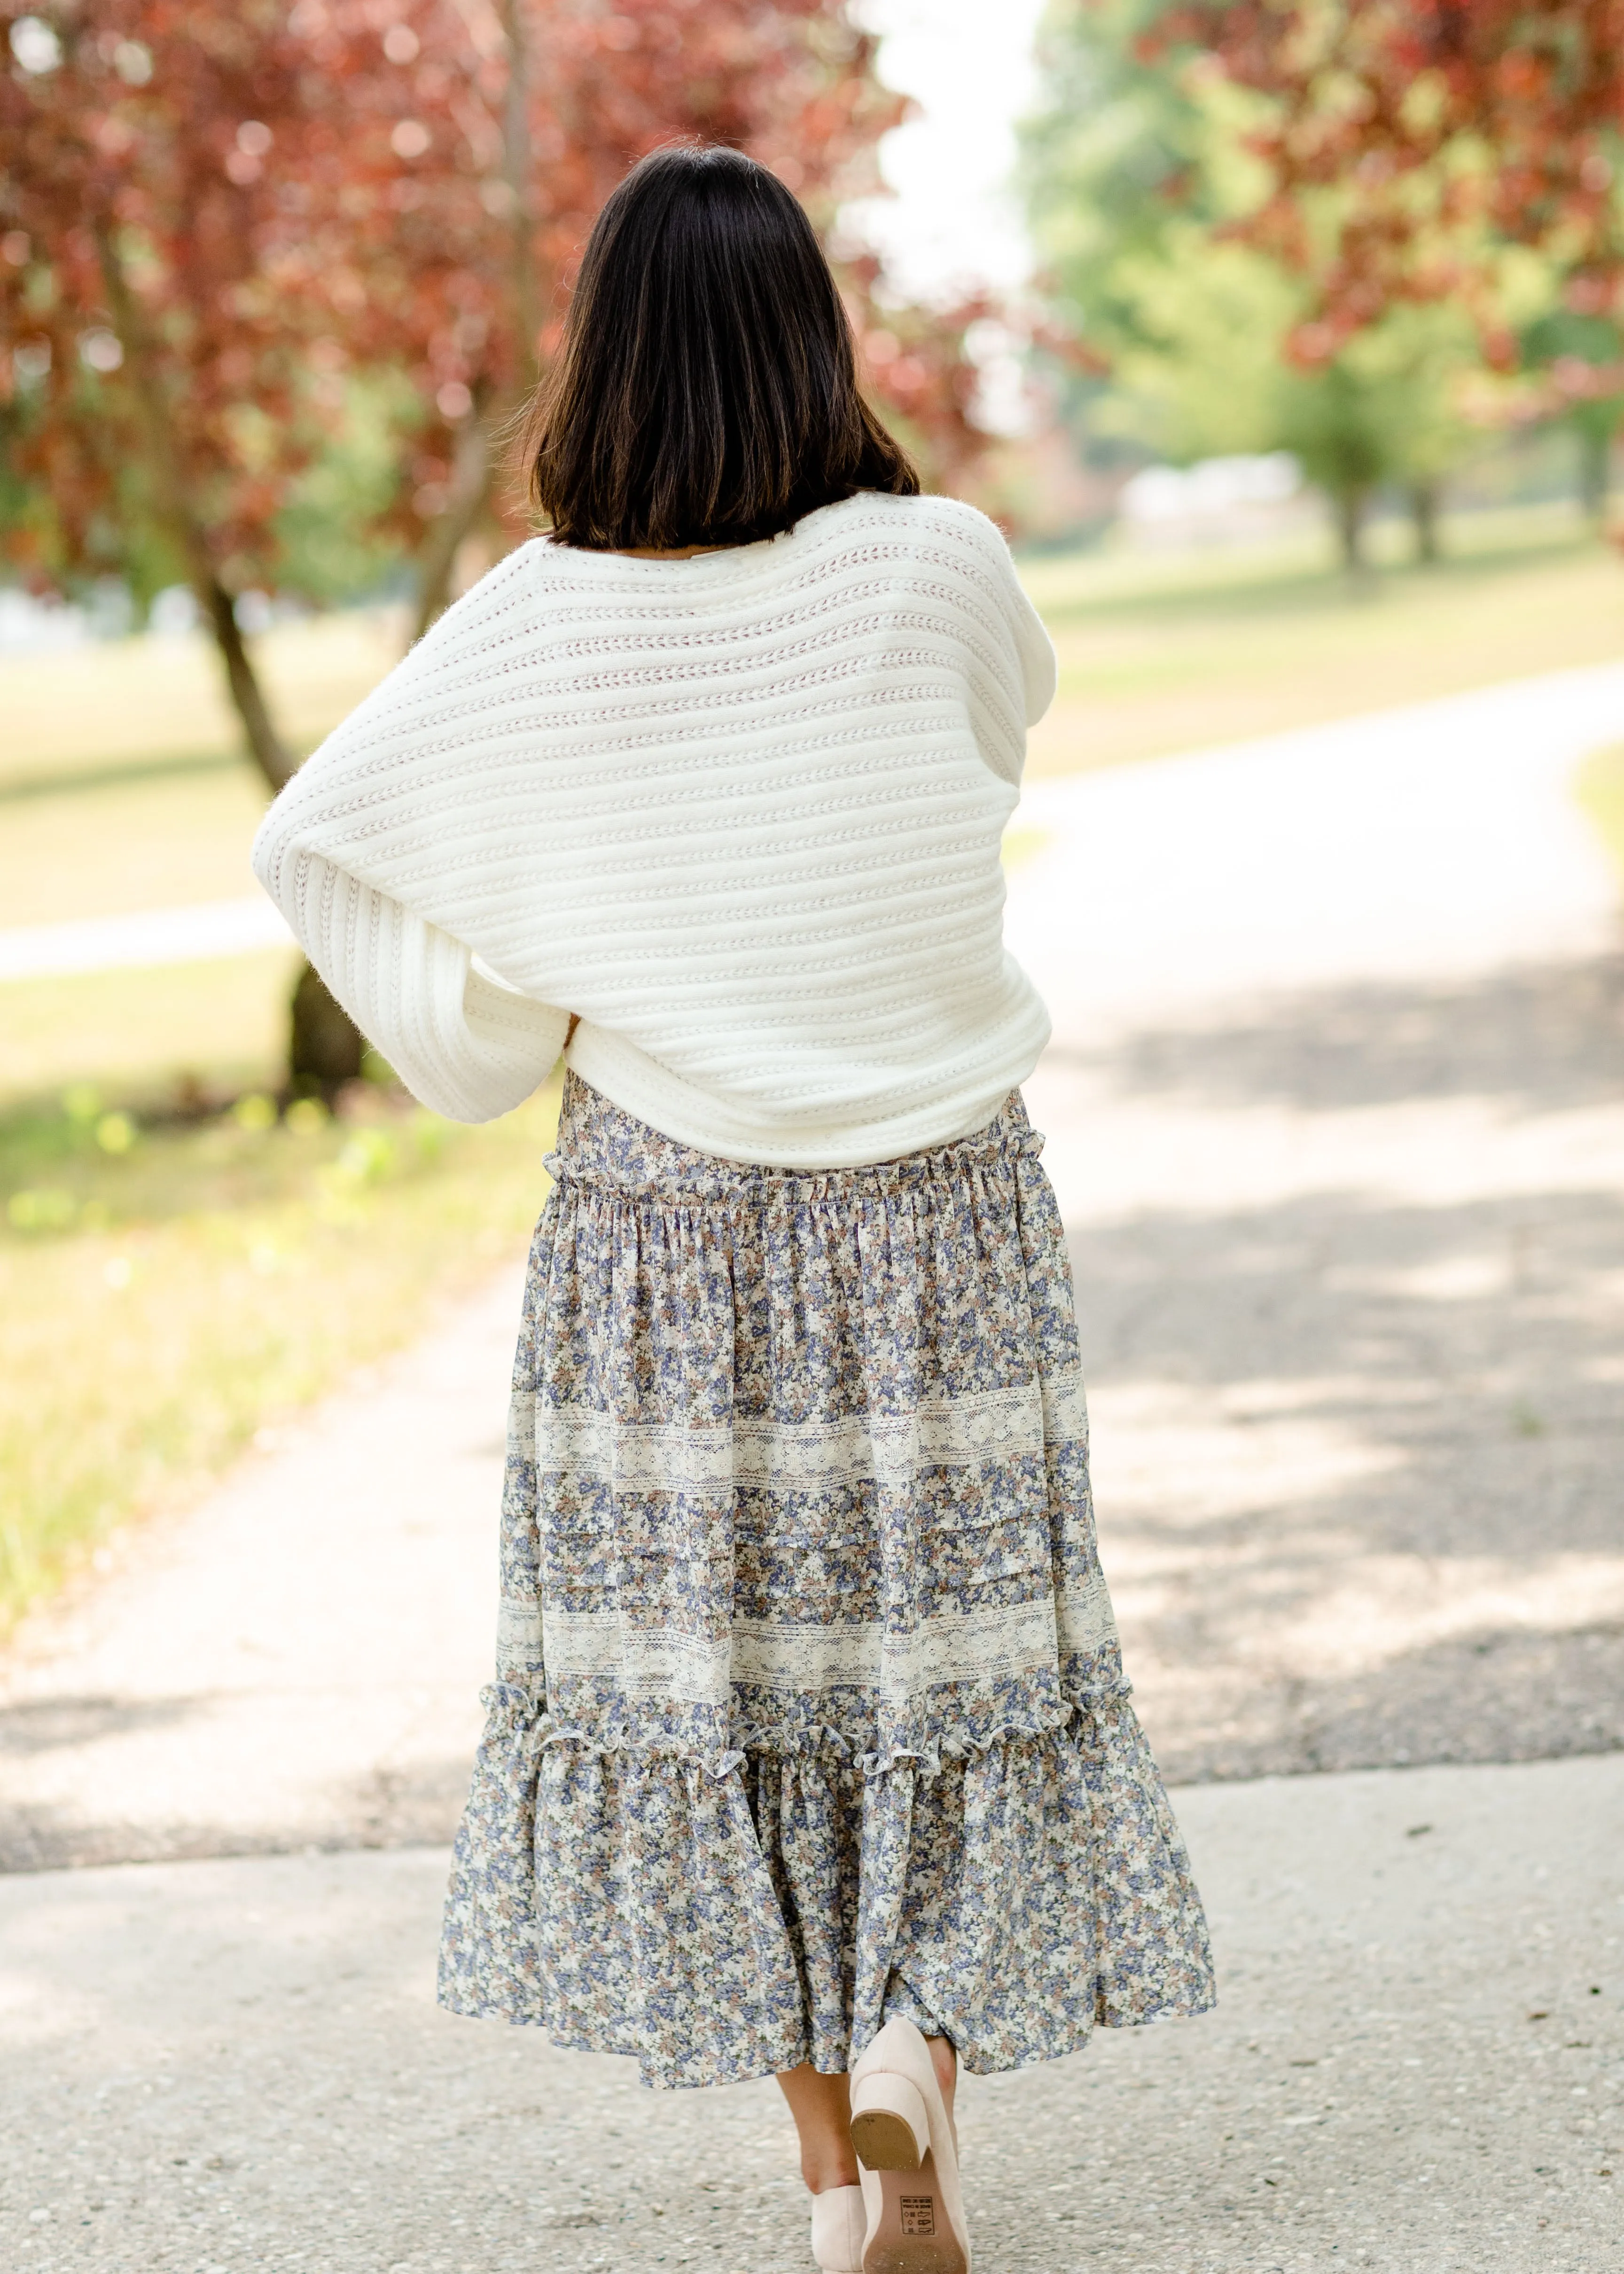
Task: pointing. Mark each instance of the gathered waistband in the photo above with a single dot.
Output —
(602, 1148)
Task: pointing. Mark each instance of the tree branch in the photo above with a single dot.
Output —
(265, 746)
(471, 468)
(471, 486)
(516, 171)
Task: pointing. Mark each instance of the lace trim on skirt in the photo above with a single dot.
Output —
(810, 1706)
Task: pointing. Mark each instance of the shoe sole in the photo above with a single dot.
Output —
(890, 2125)
(913, 2234)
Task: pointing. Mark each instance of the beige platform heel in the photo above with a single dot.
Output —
(905, 2143)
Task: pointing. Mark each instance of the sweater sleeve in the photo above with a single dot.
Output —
(1013, 700)
(464, 1045)
(1039, 669)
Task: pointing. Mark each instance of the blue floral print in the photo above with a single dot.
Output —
(810, 1706)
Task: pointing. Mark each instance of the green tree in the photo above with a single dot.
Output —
(1582, 357)
(1137, 172)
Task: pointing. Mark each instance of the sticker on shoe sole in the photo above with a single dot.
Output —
(919, 2214)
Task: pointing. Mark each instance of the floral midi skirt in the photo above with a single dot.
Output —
(810, 1708)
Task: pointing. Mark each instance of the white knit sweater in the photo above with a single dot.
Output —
(741, 813)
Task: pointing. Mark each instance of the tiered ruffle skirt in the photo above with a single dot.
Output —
(810, 1708)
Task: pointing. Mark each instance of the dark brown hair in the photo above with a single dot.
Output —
(705, 392)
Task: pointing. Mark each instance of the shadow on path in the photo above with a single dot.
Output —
(1537, 1038)
(1359, 1439)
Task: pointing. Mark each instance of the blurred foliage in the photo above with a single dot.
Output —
(333, 533)
(70, 551)
(1407, 144)
(1140, 174)
(331, 536)
(1584, 355)
(250, 252)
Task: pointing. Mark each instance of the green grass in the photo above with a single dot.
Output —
(168, 1287)
(147, 705)
(1170, 654)
(152, 842)
(141, 1033)
(123, 785)
(177, 1269)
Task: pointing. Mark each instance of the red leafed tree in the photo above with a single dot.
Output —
(209, 209)
(482, 178)
(1406, 140)
(161, 293)
(179, 250)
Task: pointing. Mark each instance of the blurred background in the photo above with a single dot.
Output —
(1286, 349)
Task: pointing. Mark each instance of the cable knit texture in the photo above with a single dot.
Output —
(741, 814)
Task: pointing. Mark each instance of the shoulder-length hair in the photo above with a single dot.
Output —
(705, 391)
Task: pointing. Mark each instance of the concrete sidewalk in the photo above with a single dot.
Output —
(299, 1661)
(1335, 1110)
(1417, 2064)
(203, 932)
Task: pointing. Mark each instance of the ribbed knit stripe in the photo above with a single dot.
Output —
(741, 813)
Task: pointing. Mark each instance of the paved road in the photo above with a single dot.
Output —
(1336, 1114)
(214, 2067)
(205, 931)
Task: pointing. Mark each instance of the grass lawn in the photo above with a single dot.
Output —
(176, 1268)
(123, 784)
(1173, 654)
(151, 842)
(169, 1285)
(142, 705)
(169, 1288)
(138, 1035)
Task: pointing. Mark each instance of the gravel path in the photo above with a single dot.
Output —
(1335, 1113)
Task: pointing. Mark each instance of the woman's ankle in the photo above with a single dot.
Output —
(944, 2061)
(822, 2108)
(833, 2169)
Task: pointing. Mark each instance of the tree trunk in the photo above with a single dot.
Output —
(325, 1045)
(1349, 506)
(1595, 469)
(526, 301)
(471, 486)
(516, 174)
(1423, 501)
(471, 468)
(265, 746)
